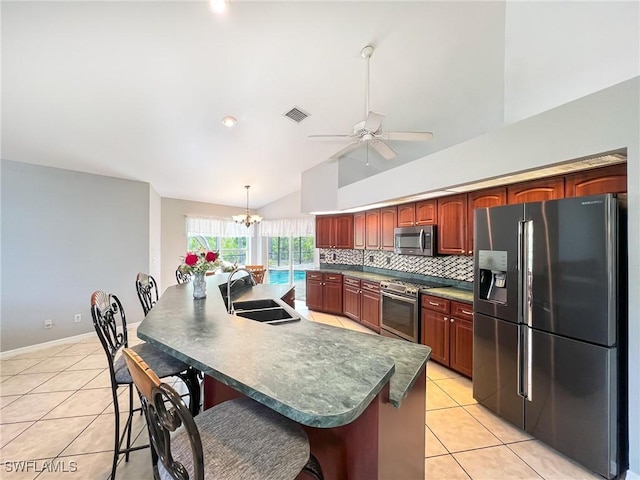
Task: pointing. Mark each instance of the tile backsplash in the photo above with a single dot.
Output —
(456, 267)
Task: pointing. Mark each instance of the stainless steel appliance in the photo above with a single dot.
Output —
(549, 324)
(415, 240)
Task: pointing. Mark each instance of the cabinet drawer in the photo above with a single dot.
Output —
(371, 286)
(314, 276)
(333, 277)
(436, 304)
(352, 281)
(462, 310)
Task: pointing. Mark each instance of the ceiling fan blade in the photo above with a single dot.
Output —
(407, 136)
(383, 149)
(331, 137)
(373, 121)
(345, 150)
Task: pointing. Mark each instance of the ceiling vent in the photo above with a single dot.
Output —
(296, 114)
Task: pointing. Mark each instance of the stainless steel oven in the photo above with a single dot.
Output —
(399, 315)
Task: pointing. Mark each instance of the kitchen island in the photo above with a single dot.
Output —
(360, 397)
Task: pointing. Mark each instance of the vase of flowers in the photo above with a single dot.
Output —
(199, 263)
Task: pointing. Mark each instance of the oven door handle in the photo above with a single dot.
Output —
(422, 240)
(400, 297)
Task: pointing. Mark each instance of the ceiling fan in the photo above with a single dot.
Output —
(369, 131)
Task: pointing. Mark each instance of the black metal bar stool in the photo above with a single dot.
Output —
(182, 276)
(239, 439)
(105, 310)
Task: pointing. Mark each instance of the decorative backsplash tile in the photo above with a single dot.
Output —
(456, 267)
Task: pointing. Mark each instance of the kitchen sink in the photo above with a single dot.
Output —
(255, 304)
(272, 316)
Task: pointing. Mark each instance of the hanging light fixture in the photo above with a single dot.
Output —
(247, 218)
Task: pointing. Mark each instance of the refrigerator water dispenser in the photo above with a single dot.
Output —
(492, 265)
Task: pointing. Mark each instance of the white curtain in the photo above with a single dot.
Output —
(294, 227)
(216, 227)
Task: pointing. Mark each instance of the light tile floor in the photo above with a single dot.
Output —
(55, 406)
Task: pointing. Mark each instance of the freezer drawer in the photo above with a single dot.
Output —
(495, 367)
(573, 405)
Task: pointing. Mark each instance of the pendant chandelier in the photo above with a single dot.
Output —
(246, 217)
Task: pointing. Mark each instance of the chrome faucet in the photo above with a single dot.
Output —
(239, 269)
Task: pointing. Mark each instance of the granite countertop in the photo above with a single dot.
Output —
(451, 293)
(315, 374)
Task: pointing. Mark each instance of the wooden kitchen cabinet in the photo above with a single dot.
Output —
(372, 229)
(370, 305)
(351, 298)
(334, 231)
(379, 228)
(361, 301)
(447, 327)
(359, 229)
(597, 181)
(452, 225)
(490, 197)
(324, 291)
(551, 188)
(419, 213)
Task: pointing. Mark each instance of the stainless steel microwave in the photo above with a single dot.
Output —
(415, 240)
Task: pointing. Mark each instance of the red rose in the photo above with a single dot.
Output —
(191, 259)
(211, 256)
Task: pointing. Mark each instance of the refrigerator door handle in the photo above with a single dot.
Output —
(527, 259)
(525, 363)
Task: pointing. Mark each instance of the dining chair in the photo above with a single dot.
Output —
(182, 276)
(110, 323)
(239, 439)
(257, 271)
(147, 289)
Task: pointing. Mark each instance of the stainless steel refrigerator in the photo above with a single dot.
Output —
(549, 334)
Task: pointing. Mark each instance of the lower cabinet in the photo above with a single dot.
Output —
(324, 292)
(447, 327)
(361, 302)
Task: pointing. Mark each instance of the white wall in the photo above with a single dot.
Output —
(173, 235)
(66, 234)
(289, 206)
(155, 235)
(558, 51)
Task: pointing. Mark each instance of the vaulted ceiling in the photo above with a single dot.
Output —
(138, 89)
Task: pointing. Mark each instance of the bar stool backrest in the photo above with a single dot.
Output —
(183, 276)
(147, 291)
(106, 310)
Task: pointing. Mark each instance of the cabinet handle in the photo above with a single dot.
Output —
(451, 320)
(470, 252)
(435, 304)
(446, 318)
(466, 312)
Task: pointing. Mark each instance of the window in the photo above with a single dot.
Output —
(289, 257)
(231, 249)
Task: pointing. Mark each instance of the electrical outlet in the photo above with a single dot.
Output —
(48, 323)
(334, 256)
(77, 318)
(371, 258)
(388, 260)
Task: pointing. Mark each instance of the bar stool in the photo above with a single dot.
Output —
(147, 289)
(105, 309)
(257, 271)
(182, 276)
(239, 439)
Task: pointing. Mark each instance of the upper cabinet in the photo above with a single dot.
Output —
(550, 188)
(334, 231)
(419, 213)
(379, 226)
(491, 197)
(594, 182)
(452, 225)
(359, 230)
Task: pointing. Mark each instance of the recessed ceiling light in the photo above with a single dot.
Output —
(218, 6)
(229, 121)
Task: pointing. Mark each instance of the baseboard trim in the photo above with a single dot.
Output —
(52, 343)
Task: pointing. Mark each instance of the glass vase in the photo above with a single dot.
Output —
(199, 286)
